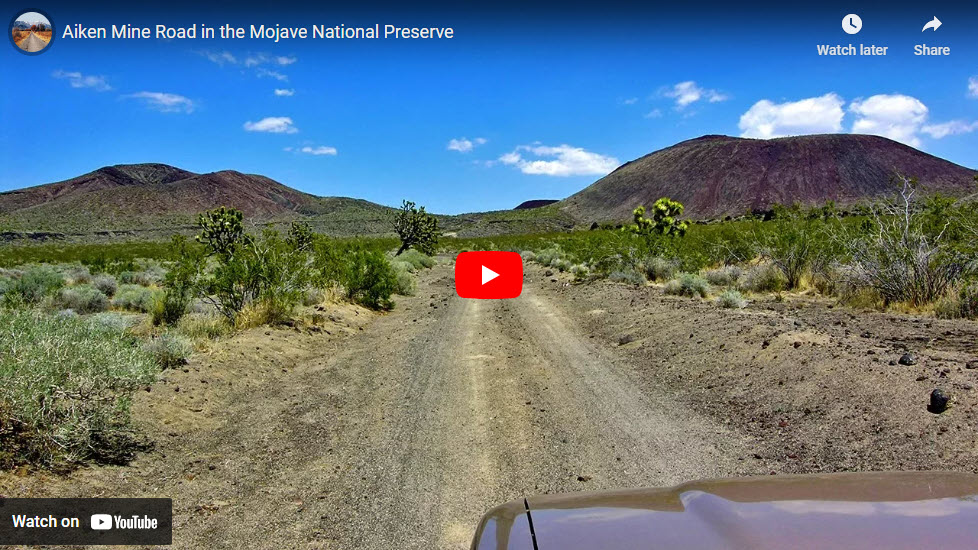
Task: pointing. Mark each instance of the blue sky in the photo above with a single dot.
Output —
(511, 109)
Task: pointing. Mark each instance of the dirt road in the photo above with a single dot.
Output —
(400, 435)
(33, 43)
(400, 430)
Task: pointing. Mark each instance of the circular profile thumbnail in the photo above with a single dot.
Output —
(31, 31)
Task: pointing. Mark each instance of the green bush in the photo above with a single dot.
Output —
(82, 299)
(135, 298)
(962, 304)
(369, 279)
(416, 259)
(65, 386)
(763, 277)
(35, 284)
(731, 299)
(169, 350)
(313, 297)
(580, 271)
(688, 284)
(407, 284)
(180, 284)
(106, 283)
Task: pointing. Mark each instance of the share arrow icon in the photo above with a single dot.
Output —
(932, 24)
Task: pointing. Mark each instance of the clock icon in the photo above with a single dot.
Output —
(852, 23)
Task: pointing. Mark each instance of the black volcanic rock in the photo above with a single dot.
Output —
(536, 203)
(717, 176)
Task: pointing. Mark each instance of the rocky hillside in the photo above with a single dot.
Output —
(718, 176)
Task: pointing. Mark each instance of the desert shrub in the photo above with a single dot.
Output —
(203, 326)
(688, 284)
(762, 277)
(115, 321)
(416, 259)
(365, 275)
(528, 256)
(562, 265)
(82, 298)
(268, 272)
(407, 285)
(133, 297)
(580, 271)
(78, 274)
(902, 254)
(628, 276)
(731, 299)
(313, 296)
(181, 282)
(794, 243)
(962, 304)
(547, 256)
(35, 284)
(65, 386)
(5, 283)
(369, 279)
(169, 350)
(657, 268)
(106, 283)
(727, 275)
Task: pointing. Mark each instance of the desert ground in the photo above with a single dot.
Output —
(399, 430)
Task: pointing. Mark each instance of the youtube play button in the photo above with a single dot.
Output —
(489, 275)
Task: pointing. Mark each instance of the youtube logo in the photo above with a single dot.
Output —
(489, 275)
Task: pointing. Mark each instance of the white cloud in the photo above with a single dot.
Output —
(463, 145)
(220, 58)
(813, 115)
(164, 102)
(263, 72)
(254, 60)
(629, 101)
(687, 93)
(272, 124)
(898, 117)
(284, 92)
(973, 86)
(78, 80)
(654, 113)
(567, 161)
(319, 150)
(950, 128)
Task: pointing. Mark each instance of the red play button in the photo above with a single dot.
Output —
(489, 275)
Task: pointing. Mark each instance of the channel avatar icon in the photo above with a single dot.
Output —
(489, 275)
(31, 32)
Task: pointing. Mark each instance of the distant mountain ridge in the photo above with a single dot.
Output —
(716, 176)
(141, 196)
